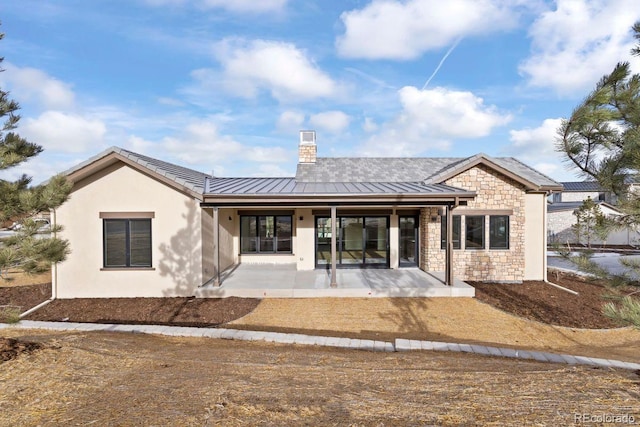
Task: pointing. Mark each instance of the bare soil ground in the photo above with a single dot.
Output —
(110, 379)
(543, 303)
(532, 315)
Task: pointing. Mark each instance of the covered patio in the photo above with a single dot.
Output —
(285, 281)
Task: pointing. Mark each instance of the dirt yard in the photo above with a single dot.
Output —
(533, 315)
(112, 379)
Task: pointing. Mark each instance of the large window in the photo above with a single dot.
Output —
(127, 243)
(456, 232)
(499, 232)
(474, 232)
(265, 234)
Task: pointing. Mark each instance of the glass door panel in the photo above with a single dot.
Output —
(408, 240)
(351, 241)
(323, 241)
(376, 240)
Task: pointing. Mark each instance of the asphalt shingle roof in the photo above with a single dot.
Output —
(410, 169)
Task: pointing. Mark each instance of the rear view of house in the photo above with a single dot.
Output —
(140, 226)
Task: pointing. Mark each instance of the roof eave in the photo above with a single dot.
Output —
(337, 198)
(114, 157)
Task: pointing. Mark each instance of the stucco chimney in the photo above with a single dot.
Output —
(307, 150)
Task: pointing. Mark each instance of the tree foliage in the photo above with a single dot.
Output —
(601, 140)
(19, 200)
(590, 222)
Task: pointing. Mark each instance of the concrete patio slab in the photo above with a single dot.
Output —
(285, 281)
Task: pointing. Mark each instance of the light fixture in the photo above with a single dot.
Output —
(301, 218)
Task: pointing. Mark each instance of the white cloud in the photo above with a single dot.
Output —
(369, 125)
(30, 84)
(431, 119)
(578, 42)
(536, 147)
(200, 143)
(171, 102)
(247, 6)
(249, 67)
(65, 132)
(330, 121)
(390, 29)
(290, 121)
(237, 6)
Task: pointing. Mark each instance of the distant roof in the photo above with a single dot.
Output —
(430, 170)
(189, 178)
(571, 206)
(581, 186)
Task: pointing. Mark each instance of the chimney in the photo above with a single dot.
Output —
(307, 150)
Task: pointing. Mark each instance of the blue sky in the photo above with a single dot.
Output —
(225, 85)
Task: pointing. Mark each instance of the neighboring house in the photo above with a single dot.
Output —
(141, 227)
(561, 217)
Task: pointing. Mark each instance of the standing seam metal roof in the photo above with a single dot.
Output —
(283, 186)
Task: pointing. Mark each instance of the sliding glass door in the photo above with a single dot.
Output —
(362, 241)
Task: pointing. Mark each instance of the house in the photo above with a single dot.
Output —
(142, 227)
(561, 217)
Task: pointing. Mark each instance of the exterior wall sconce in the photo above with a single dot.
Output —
(230, 219)
(301, 218)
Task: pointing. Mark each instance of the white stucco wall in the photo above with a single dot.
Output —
(176, 237)
(535, 237)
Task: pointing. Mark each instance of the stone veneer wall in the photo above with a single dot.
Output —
(494, 191)
(307, 153)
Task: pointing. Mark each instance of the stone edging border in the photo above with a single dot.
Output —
(352, 343)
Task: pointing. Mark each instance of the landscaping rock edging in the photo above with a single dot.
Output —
(351, 343)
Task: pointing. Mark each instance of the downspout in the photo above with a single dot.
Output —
(54, 275)
(545, 277)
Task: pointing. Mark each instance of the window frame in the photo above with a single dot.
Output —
(457, 224)
(127, 242)
(491, 232)
(264, 219)
(483, 243)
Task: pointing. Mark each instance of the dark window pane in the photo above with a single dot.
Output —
(474, 232)
(499, 232)
(115, 243)
(267, 233)
(456, 232)
(283, 234)
(140, 242)
(248, 234)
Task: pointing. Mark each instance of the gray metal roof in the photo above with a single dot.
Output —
(580, 186)
(189, 178)
(389, 169)
(571, 206)
(290, 186)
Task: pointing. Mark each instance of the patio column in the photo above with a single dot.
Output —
(216, 247)
(448, 275)
(334, 239)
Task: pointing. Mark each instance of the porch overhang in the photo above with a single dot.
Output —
(417, 200)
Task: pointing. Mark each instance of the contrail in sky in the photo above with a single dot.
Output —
(444, 58)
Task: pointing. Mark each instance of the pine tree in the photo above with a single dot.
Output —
(590, 222)
(602, 140)
(19, 201)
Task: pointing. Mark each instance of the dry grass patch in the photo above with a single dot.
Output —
(134, 379)
(437, 319)
(18, 278)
